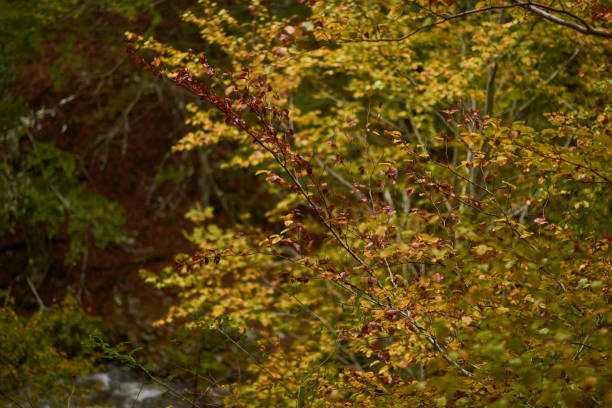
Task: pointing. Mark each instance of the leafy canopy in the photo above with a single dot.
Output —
(436, 228)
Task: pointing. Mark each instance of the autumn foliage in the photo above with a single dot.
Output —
(438, 216)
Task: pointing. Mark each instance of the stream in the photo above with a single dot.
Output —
(116, 387)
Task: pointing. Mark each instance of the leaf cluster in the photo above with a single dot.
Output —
(439, 234)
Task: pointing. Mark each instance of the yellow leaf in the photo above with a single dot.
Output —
(481, 249)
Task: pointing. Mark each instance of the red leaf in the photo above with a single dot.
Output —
(390, 314)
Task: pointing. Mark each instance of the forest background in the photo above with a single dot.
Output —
(289, 203)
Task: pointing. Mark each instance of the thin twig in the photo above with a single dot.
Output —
(550, 79)
(41, 305)
(533, 7)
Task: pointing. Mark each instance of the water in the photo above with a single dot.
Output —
(119, 388)
(115, 387)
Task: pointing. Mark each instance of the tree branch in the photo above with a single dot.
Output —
(541, 10)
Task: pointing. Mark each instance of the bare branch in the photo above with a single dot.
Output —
(541, 10)
(583, 28)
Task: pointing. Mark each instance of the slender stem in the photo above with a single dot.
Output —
(537, 8)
